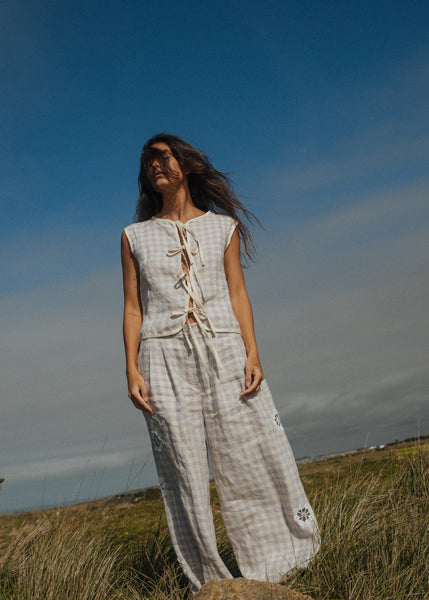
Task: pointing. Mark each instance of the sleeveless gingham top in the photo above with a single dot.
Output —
(159, 245)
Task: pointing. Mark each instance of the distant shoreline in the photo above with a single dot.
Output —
(309, 459)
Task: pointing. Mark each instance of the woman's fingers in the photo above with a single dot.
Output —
(253, 387)
(138, 392)
(249, 377)
(143, 405)
(141, 399)
(253, 379)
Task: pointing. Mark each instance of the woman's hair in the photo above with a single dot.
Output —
(210, 189)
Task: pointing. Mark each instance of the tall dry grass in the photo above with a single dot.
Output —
(58, 558)
(375, 547)
(51, 560)
(375, 529)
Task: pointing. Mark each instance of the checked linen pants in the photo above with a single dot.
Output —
(268, 519)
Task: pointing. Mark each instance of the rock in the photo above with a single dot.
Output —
(246, 589)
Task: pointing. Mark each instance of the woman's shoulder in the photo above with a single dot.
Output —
(139, 227)
(221, 219)
(223, 224)
(140, 224)
(137, 233)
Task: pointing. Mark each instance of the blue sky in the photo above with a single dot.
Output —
(318, 111)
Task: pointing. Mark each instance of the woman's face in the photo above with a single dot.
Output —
(162, 179)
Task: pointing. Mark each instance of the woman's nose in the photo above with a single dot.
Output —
(154, 163)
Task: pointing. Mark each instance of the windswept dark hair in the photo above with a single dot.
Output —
(210, 189)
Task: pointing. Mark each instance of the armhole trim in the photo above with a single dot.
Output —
(230, 233)
(130, 235)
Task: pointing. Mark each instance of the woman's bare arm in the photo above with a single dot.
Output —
(243, 311)
(133, 317)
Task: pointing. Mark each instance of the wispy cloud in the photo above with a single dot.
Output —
(71, 465)
(341, 313)
(365, 158)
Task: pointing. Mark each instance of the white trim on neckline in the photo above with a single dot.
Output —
(178, 221)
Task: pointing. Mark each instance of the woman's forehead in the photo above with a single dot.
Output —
(160, 146)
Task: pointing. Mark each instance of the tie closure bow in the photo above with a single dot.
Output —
(187, 253)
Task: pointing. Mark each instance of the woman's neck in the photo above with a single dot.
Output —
(178, 205)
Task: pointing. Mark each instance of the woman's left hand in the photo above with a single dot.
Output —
(253, 376)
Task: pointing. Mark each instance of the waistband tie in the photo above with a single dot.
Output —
(206, 330)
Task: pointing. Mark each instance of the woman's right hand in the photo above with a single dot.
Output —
(138, 392)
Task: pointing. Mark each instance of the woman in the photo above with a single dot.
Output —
(193, 369)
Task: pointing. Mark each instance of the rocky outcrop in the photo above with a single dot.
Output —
(246, 589)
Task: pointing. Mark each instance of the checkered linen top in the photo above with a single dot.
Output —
(159, 245)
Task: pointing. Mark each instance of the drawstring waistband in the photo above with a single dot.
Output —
(190, 334)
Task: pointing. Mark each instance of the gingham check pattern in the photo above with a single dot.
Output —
(156, 246)
(267, 516)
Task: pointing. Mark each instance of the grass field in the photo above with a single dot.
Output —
(372, 507)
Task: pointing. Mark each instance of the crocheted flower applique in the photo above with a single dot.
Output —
(303, 514)
(276, 420)
(157, 442)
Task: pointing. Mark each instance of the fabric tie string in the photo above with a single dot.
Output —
(200, 317)
(183, 229)
(187, 252)
(174, 251)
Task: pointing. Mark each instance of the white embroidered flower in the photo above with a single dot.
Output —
(276, 420)
(302, 514)
(157, 442)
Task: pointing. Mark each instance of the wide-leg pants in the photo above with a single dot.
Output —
(266, 513)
